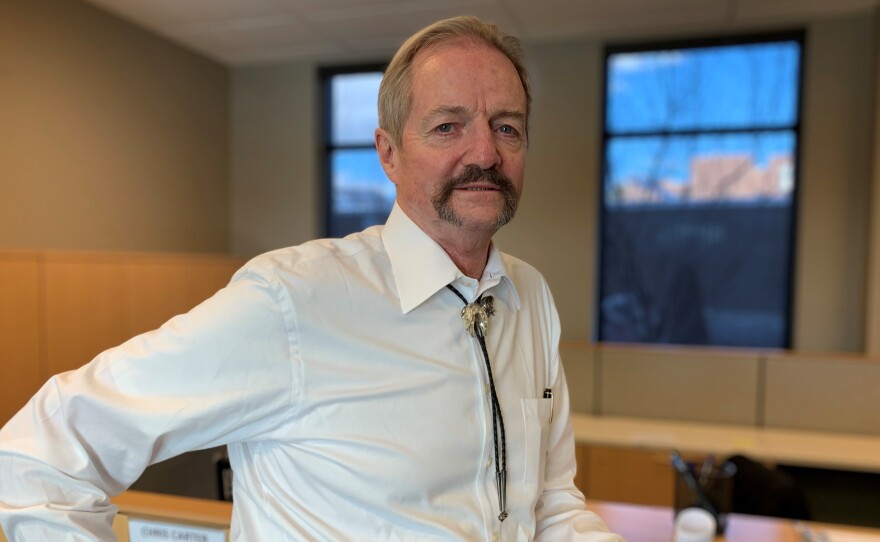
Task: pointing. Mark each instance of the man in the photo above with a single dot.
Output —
(402, 383)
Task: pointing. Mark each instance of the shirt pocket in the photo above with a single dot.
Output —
(536, 419)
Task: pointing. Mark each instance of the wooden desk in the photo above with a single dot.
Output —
(627, 459)
(771, 445)
(637, 523)
(203, 512)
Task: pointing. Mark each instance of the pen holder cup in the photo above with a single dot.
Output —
(716, 483)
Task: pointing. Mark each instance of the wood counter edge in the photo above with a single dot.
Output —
(174, 508)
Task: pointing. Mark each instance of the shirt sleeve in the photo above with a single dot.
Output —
(561, 512)
(218, 374)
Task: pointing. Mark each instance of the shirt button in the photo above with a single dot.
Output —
(495, 537)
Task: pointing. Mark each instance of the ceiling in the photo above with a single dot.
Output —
(237, 32)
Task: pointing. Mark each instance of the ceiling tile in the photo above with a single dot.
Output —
(254, 33)
(313, 5)
(798, 9)
(563, 18)
(313, 50)
(165, 12)
(388, 25)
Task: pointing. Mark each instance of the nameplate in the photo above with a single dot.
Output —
(141, 530)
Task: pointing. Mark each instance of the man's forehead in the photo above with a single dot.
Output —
(431, 68)
(463, 42)
(445, 52)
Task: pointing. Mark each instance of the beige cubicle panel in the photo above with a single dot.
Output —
(698, 384)
(58, 310)
(207, 275)
(578, 359)
(19, 331)
(823, 392)
(85, 308)
(157, 290)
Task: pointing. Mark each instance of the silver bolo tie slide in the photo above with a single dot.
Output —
(476, 316)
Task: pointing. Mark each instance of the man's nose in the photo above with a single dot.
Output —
(483, 150)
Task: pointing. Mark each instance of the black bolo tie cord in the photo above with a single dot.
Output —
(497, 422)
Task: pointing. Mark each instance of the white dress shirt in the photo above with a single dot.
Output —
(353, 402)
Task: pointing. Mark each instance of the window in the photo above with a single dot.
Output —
(699, 191)
(358, 192)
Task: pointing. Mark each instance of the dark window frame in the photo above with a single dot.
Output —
(325, 75)
(796, 35)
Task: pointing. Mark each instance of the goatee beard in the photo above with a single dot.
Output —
(442, 200)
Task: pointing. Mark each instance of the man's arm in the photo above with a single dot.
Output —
(218, 374)
(561, 513)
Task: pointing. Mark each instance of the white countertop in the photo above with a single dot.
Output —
(842, 451)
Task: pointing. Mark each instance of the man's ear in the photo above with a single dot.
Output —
(388, 154)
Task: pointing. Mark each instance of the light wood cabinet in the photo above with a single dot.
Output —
(638, 476)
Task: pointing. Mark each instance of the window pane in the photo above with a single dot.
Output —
(695, 242)
(353, 108)
(701, 168)
(696, 274)
(362, 194)
(704, 88)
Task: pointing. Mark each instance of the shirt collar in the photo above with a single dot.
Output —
(421, 267)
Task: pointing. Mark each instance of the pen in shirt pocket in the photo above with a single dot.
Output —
(548, 394)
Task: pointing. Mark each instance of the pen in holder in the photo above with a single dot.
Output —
(709, 486)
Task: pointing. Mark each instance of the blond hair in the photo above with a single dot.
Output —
(395, 91)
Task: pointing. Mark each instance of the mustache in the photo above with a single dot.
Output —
(474, 174)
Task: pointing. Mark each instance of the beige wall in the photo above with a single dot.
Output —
(556, 228)
(111, 138)
(275, 192)
(835, 186)
(872, 320)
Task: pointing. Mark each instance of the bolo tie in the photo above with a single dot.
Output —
(476, 322)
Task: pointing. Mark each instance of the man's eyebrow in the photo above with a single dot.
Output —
(446, 110)
(510, 114)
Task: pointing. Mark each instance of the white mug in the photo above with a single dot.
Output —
(694, 525)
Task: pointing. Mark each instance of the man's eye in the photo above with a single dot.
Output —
(444, 128)
(507, 129)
